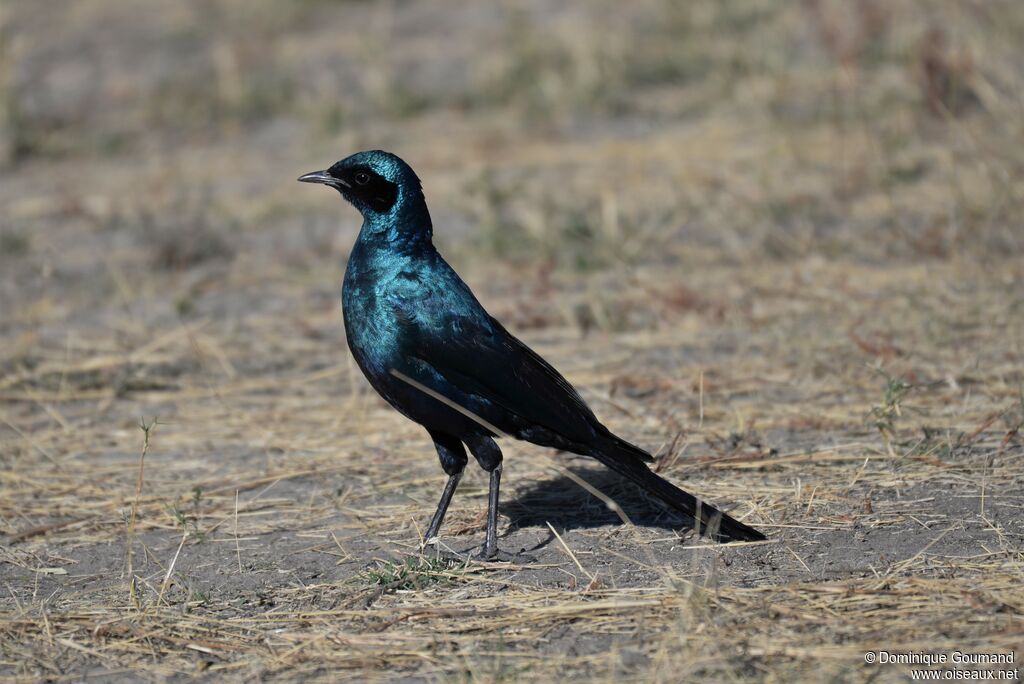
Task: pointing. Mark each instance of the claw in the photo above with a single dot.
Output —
(499, 556)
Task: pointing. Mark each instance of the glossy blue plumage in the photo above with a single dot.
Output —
(407, 311)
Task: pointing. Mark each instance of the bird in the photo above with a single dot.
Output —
(431, 350)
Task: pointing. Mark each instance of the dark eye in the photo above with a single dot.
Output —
(362, 178)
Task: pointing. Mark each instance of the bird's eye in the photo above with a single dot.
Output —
(362, 178)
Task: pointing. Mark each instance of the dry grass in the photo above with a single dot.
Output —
(779, 245)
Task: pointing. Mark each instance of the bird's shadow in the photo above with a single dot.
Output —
(567, 506)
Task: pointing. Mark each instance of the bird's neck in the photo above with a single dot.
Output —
(406, 227)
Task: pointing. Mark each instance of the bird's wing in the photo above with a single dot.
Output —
(476, 355)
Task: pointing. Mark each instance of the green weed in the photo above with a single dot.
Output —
(413, 573)
(885, 415)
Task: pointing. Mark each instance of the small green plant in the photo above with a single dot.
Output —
(197, 596)
(415, 572)
(189, 522)
(885, 415)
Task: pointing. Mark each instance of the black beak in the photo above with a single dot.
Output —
(323, 177)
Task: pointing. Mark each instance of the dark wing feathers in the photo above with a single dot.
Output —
(476, 355)
(495, 366)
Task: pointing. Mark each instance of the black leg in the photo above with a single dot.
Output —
(442, 507)
(453, 459)
(491, 545)
(488, 455)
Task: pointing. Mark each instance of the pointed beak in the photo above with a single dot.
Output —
(317, 177)
(322, 177)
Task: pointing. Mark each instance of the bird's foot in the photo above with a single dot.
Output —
(498, 556)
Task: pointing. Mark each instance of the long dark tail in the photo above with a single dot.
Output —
(713, 522)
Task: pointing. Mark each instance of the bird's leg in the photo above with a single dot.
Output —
(453, 459)
(491, 545)
(486, 452)
(442, 507)
(488, 455)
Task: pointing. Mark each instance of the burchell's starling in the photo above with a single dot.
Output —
(431, 350)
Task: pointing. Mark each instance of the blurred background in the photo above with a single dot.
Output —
(145, 143)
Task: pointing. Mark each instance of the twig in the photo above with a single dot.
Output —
(572, 555)
(146, 430)
(170, 568)
(238, 550)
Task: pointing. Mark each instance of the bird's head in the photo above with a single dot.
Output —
(375, 182)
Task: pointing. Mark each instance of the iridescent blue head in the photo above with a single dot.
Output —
(383, 188)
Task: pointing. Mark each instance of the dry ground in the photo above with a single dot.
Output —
(778, 244)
